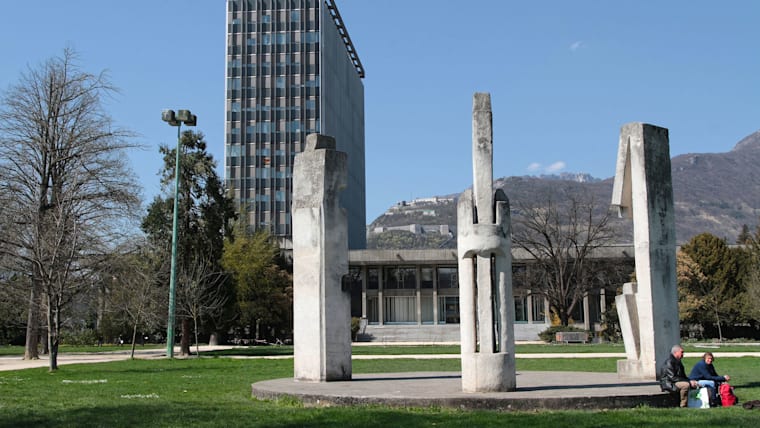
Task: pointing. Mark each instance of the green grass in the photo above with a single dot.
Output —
(216, 392)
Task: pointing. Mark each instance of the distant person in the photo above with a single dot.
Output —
(705, 375)
(673, 376)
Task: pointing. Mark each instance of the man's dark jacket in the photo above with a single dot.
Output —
(671, 373)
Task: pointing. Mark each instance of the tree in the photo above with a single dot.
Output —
(745, 237)
(561, 235)
(720, 292)
(68, 191)
(133, 294)
(205, 216)
(264, 289)
(691, 285)
(751, 297)
(203, 294)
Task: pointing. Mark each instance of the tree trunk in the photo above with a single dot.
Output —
(184, 344)
(53, 329)
(717, 321)
(195, 328)
(134, 338)
(43, 332)
(32, 327)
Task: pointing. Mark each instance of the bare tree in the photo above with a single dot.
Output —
(202, 294)
(62, 162)
(561, 233)
(132, 291)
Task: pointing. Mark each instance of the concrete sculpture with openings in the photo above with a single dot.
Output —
(643, 191)
(485, 269)
(321, 305)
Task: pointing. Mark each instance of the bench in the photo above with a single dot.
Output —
(571, 336)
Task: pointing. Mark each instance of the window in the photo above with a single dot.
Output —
(521, 309)
(310, 37)
(426, 277)
(372, 310)
(373, 278)
(400, 278)
(577, 314)
(448, 310)
(447, 277)
(426, 306)
(539, 312)
(399, 309)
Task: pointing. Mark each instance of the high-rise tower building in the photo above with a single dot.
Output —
(292, 70)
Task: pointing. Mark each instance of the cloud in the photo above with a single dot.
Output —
(535, 166)
(576, 45)
(556, 167)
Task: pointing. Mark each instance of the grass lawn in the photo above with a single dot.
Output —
(216, 392)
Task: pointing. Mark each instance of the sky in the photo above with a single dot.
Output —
(564, 76)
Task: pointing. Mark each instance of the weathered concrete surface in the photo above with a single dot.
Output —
(537, 390)
(321, 307)
(486, 309)
(643, 191)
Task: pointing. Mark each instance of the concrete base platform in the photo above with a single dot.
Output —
(535, 390)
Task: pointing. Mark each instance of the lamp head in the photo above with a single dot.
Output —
(169, 117)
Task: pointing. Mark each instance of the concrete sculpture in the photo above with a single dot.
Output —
(321, 306)
(485, 269)
(643, 191)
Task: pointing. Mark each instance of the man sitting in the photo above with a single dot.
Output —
(673, 376)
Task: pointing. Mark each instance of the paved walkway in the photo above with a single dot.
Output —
(535, 390)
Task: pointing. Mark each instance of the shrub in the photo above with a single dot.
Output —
(550, 333)
(355, 326)
(81, 337)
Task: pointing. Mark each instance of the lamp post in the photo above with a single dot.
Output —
(189, 119)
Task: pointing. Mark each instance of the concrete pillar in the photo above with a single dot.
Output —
(487, 311)
(321, 305)
(643, 191)
(586, 314)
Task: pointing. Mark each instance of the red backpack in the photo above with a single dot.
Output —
(727, 397)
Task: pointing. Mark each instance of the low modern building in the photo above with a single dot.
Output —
(413, 295)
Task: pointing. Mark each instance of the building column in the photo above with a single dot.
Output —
(364, 277)
(586, 317)
(529, 304)
(435, 295)
(380, 303)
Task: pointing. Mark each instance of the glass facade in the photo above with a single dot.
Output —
(291, 71)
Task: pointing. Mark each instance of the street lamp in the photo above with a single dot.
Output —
(189, 119)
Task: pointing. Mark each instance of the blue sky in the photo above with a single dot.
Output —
(564, 76)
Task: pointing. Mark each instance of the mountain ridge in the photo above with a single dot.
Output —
(713, 192)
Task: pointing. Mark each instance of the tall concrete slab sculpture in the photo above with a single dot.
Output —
(643, 191)
(484, 243)
(321, 306)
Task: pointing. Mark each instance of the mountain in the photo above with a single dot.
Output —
(713, 192)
